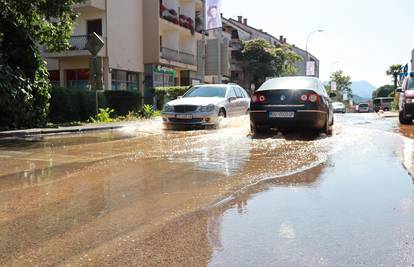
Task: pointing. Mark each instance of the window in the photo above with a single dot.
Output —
(239, 94)
(125, 80)
(231, 93)
(410, 84)
(78, 79)
(94, 26)
(207, 91)
(290, 83)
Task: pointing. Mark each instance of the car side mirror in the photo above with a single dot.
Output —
(399, 90)
(332, 95)
(180, 97)
(232, 98)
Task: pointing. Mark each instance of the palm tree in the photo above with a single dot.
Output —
(394, 71)
(393, 68)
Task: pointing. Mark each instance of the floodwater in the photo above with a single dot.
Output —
(145, 196)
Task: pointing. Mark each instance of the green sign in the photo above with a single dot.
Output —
(165, 70)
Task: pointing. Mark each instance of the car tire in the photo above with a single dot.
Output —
(327, 129)
(255, 130)
(222, 113)
(403, 119)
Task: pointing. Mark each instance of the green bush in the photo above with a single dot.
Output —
(69, 105)
(104, 116)
(165, 94)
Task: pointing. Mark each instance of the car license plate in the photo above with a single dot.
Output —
(184, 117)
(282, 114)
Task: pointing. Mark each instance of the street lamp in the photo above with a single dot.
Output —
(307, 42)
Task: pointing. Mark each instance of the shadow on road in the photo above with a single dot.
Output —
(291, 135)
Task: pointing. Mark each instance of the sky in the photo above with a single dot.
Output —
(361, 37)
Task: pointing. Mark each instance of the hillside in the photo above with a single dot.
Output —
(362, 89)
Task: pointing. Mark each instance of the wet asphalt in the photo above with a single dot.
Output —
(144, 196)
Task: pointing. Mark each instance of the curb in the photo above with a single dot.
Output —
(25, 133)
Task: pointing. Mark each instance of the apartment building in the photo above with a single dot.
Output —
(120, 25)
(240, 31)
(172, 29)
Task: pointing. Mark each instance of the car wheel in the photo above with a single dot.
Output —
(222, 113)
(327, 129)
(255, 130)
(404, 119)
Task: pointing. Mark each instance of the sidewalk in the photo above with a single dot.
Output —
(70, 129)
(388, 114)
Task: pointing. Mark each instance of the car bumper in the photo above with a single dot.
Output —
(190, 119)
(363, 110)
(339, 110)
(310, 119)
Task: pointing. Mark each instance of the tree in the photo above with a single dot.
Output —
(262, 60)
(24, 83)
(393, 71)
(343, 84)
(383, 91)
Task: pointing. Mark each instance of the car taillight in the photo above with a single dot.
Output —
(303, 98)
(259, 98)
(312, 98)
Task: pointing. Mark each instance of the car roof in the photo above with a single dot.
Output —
(276, 83)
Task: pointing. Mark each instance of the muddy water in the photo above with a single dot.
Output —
(145, 196)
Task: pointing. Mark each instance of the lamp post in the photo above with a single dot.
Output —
(307, 42)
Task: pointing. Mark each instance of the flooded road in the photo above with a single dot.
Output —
(149, 197)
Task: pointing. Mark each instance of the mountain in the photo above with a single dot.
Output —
(362, 89)
(359, 100)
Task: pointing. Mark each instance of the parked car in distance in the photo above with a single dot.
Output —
(203, 105)
(338, 107)
(363, 108)
(383, 103)
(406, 104)
(291, 102)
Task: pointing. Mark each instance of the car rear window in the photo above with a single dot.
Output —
(290, 83)
(410, 84)
(363, 105)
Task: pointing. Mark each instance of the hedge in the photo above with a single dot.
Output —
(165, 94)
(69, 105)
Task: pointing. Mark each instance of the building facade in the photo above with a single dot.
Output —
(240, 31)
(120, 25)
(172, 29)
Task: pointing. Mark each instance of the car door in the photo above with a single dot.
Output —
(242, 101)
(231, 102)
(239, 102)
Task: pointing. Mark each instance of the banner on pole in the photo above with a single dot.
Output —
(213, 14)
(310, 68)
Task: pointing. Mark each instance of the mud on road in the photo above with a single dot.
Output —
(146, 196)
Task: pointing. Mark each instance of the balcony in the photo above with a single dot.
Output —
(77, 48)
(91, 5)
(186, 22)
(177, 56)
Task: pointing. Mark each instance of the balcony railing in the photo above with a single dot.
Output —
(187, 58)
(169, 54)
(174, 55)
(181, 19)
(78, 42)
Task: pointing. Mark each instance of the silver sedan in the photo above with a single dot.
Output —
(204, 105)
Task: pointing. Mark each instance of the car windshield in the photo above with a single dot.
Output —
(290, 83)
(363, 105)
(206, 91)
